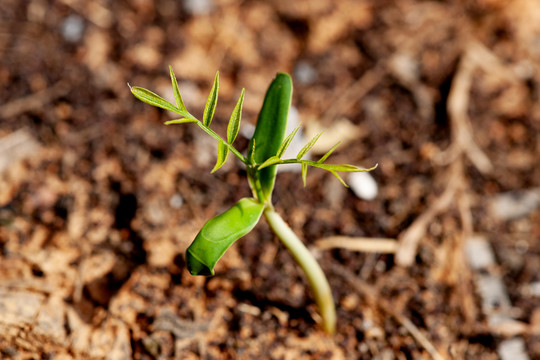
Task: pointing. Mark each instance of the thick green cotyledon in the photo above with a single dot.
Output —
(269, 133)
(219, 233)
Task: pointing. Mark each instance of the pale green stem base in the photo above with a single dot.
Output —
(316, 278)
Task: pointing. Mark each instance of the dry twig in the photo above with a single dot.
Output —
(34, 101)
(351, 95)
(458, 104)
(363, 244)
(410, 238)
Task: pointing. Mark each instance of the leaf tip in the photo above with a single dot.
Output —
(196, 266)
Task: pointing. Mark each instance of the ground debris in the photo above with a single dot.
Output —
(99, 200)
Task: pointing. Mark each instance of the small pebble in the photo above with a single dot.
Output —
(512, 349)
(535, 288)
(304, 73)
(72, 28)
(479, 253)
(380, 266)
(495, 300)
(198, 7)
(514, 204)
(405, 67)
(176, 201)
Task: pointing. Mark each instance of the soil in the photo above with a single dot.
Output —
(99, 200)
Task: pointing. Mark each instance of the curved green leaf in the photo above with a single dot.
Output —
(222, 154)
(153, 99)
(219, 233)
(270, 129)
(211, 102)
(234, 121)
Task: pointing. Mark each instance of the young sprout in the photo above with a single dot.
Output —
(266, 149)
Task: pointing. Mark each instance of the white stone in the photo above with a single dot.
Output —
(72, 28)
(512, 349)
(198, 7)
(515, 204)
(363, 185)
(304, 73)
(479, 253)
(176, 201)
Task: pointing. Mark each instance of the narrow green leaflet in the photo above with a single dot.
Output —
(219, 233)
(304, 173)
(334, 168)
(340, 167)
(211, 103)
(285, 144)
(234, 121)
(223, 153)
(177, 96)
(325, 156)
(251, 152)
(180, 121)
(271, 161)
(308, 146)
(153, 99)
(339, 178)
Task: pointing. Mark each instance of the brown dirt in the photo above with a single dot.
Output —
(98, 200)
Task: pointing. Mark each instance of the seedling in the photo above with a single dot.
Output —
(265, 152)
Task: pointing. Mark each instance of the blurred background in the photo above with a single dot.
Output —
(438, 254)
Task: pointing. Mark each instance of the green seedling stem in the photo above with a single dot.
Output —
(266, 148)
(314, 274)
